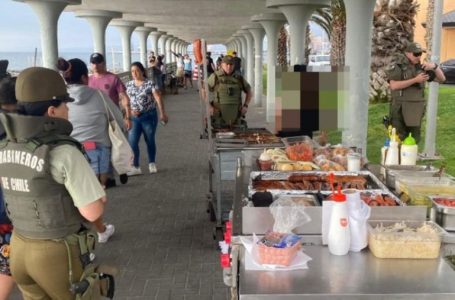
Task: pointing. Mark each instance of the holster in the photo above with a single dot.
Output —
(96, 281)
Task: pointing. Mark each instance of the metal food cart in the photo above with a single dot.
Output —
(224, 153)
(353, 276)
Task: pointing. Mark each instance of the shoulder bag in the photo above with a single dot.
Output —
(121, 152)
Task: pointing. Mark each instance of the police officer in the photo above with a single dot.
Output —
(49, 189)
(407, 79)
(227, 86)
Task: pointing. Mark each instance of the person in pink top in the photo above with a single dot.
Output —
(110, 84)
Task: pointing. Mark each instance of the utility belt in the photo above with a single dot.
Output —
(97, 280)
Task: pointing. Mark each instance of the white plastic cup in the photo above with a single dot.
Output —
(353, 162)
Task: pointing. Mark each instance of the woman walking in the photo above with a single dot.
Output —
(89, 117)
(145, 105)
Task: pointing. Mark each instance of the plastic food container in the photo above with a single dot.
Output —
(407, 239)
(416, 240)
(293, 140)
(277, 256)
(426, 185)
(409, 171)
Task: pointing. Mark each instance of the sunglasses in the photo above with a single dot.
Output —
(417, 54)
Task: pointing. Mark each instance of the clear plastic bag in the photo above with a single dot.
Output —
(288, 214)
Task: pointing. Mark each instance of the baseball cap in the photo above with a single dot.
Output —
(228, 59)
(414, 48)
(96, 58)
(39, 84)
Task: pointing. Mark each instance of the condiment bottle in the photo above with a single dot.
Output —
(339, 238)
(384, 150)
(409, 151)
(393, 155)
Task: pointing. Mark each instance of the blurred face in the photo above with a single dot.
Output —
(60, 111)
(99, 68)
(136, 73)
(414, 58)
(227, 68)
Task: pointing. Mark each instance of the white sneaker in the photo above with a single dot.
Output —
(152, 168)
(134, 171)
(104, 236)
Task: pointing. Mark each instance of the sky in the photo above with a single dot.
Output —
(20, 31)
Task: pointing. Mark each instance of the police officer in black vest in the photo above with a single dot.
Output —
(50, 190)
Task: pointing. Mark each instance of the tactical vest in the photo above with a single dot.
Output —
(413, 93)
(228, 89)
(38, 206)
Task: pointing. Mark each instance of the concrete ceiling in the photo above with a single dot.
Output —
(213, 20)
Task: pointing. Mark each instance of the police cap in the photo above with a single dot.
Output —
(414, 48)
(38, 84)
(228, 59)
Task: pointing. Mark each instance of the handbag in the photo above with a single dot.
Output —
(121, 152)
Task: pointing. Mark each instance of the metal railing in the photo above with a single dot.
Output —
(170, 69)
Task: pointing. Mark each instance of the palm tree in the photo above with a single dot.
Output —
(283, 47)
(393, 28)
(338, 33)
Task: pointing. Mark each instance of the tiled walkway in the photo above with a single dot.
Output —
(163, 243)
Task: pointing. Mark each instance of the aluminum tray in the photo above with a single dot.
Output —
(444, 215)
(236, 142)
(277, 175)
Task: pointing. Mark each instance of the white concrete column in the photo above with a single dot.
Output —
(169, 55)
(242, 41)
(143, 33)
(249, 54)
(48, 13)
(162, 42)
(298, 13)
(154, 37)
(98, 20)
(126, 28)
(174, 48)
(272, 23)
(359, 24)
(258, 35)
(237, 47)
(433, 91)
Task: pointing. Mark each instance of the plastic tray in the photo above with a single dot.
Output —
(426, 185)
(277, 256)
(399, 243)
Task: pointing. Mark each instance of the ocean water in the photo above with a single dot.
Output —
(22, 60)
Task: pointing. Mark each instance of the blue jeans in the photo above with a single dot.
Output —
(146, 123)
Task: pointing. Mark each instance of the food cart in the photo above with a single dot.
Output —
(358, 275)
(225, 148)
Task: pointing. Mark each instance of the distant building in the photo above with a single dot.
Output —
(448, 28)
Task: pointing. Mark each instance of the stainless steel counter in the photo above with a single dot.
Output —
(354, 276)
